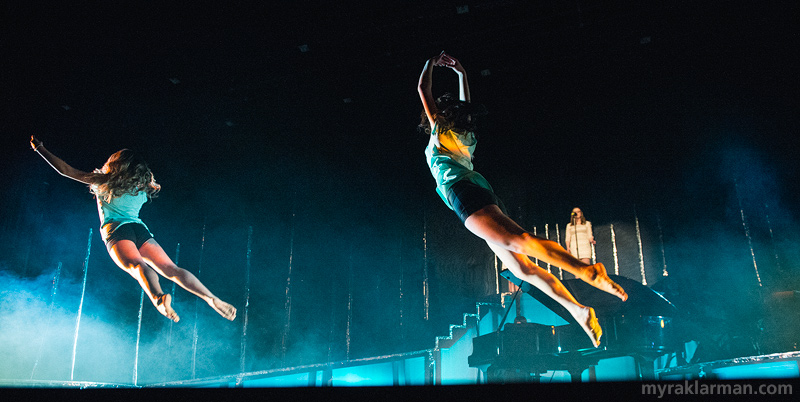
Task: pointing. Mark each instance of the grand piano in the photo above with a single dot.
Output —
(643, 327)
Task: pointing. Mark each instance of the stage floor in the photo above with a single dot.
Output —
(412, 370)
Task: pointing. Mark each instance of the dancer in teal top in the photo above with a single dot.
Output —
(119, 211)
(451, 125)
(451, 160)
(121, 187)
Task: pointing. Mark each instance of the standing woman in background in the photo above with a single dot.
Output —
(450, 123)
(578, 236)
(121, 187)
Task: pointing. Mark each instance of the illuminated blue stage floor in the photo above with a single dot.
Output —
(413, 369)
(447, 364)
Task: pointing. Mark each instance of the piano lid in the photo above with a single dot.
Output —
(641, 299)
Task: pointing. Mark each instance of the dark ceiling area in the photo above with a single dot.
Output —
(608, 94)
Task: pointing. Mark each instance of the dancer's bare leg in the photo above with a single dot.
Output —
(127, 257)
(492, 225)
(153, 253)
(522, 267)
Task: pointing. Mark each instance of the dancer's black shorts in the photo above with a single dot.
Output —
(467, 198)
(135, 232)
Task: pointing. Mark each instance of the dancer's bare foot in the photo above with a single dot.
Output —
(164, 306)
(588, 321)
(224, 309)
(596, 276)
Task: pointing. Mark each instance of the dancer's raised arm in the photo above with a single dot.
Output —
(424, 89)
(425, 83)
(463, 85)
(63, 168)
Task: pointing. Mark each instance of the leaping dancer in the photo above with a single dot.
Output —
(121, 187)
(451, 124)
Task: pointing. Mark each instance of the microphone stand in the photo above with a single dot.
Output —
(575, 231)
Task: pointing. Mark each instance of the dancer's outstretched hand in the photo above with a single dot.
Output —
(437, 60)
(445, 60)
(35, 143)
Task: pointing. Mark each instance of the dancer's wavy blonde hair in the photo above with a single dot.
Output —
(125, 173)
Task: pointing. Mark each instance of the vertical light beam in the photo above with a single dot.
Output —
(547, 236)
(288, 303)
(664, 271)
(425, 283)
(194, 331)
(558, 240)
(747, 231)
(400, 293)
(80, 306)
(138, 339)
(641, 252)
(243, 347)
(350, 283)
(614, 250)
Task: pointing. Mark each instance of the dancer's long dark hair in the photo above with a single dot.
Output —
(453, 114)
(126, 173)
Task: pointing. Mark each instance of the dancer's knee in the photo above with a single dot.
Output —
(545, 247)
(173, 271)
(522, 243)
(131, 266)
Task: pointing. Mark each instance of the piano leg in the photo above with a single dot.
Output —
(644, 367)
(575, 375)
(576, 372)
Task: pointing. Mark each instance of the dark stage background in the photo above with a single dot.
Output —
(298, 120)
